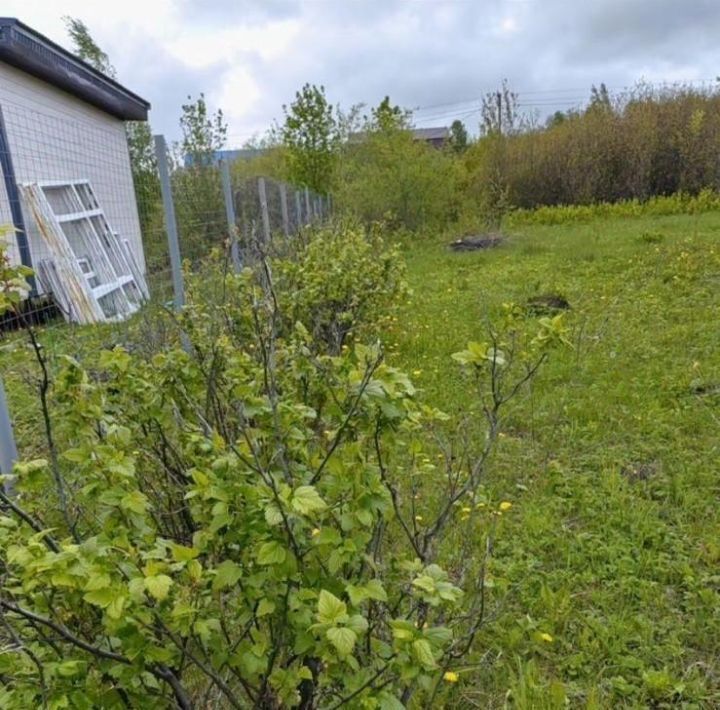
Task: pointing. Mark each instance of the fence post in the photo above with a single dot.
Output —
(8, 450)
(298, 209)
(308, 211)
(284, 209)
(264, 209)
(170, 221)
(230, 213)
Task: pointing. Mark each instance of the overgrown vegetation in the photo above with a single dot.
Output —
(266, 516)
(645, 143)
(256, 507)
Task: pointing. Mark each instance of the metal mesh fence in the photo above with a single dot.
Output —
(77, 162)
(76, 208)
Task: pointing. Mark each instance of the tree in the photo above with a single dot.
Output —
(203, 133)
(199, 206)
(86, 48)
(500, 111)
(600, 99)
(310, 135)
(458, 136)
(387, 117)
(557, 118)
(139, 134)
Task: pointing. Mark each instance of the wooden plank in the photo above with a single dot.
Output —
(71, 281)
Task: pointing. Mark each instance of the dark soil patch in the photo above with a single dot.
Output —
(640, 471)
(478, 241)
(705, 388)
(547, 303)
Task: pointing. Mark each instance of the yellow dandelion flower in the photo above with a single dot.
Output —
(315, 532)
(505, 505)
(544, 636)
(451, 677)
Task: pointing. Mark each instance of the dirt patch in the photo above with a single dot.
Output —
(705, 388)
(636, 472)
(547, 303)
(477, 241)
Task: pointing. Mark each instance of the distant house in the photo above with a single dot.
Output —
(436, 137)
(62, 129)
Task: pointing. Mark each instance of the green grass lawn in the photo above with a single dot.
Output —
(612, 547)
(605, 575)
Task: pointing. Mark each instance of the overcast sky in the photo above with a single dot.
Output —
(436, 56)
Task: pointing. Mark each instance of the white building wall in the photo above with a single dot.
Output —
(55, 136)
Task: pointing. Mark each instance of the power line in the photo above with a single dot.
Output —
(551, 95)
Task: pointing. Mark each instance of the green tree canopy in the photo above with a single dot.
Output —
(310, 135)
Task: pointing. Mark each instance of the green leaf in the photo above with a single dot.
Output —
(438, 635)
(330, 609)
(135, 502)
(357, 623)
(271, 553)
(194, 569)
(181, 553)
(375, 590)
(265, 607)
(307, 500)
(343, 639)
(97, 581)
(273, 516)
(115, 608)
(158, 586)
(422, 651)
(372, 590)
(227, 575)
(67, 669)
(390, 702)
(425, 582)
(100, 597)
(403, 630)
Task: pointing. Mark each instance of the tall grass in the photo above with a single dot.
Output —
(706, 200)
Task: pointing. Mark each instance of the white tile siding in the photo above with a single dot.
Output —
(55, 136)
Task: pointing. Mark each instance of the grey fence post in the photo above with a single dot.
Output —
(230, 213)
(284, 209)
(264, 209)
(308, 211)
(8, 450)
(170, 221)
(298, 209)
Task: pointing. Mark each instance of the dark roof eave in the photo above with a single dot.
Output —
(26, 49)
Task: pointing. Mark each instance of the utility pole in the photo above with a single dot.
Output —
(498, 96)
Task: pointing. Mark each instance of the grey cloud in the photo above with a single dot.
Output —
(224, 12)
(161, 79)
(427, 53)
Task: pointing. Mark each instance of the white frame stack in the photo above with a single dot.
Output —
(90, 270)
